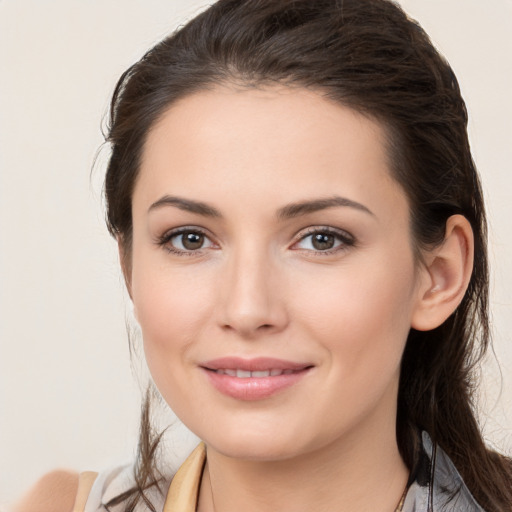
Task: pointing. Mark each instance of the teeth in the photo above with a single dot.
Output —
(245, 374)
(265, 373)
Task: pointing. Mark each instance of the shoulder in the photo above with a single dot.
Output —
(54, 492)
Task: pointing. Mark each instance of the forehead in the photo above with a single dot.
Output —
(280, 143)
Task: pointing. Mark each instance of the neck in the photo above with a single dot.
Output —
(359, 473)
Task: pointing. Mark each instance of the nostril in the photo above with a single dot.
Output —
(263, 327)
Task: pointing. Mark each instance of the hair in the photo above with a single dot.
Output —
(367, 55)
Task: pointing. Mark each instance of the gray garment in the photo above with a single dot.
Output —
(437, 485)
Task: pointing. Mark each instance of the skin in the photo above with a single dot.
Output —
(257, 287)
(54, 492)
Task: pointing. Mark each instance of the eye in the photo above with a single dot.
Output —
(324, 240)
(185, 241)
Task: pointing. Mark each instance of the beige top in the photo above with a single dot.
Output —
(182, 493)
(85, 484)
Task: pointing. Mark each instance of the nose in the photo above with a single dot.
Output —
(252, 298)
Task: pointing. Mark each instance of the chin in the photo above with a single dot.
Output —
(265, 444)
(248, 449)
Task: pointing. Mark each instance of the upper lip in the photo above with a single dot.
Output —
(253, 364)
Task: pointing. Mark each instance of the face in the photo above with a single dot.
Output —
(272, 271)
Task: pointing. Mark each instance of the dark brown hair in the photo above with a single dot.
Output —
(368, 55)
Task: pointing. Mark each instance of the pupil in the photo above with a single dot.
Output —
(192, 241)
(323, 241)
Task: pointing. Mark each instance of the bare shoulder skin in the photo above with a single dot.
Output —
(54, 492)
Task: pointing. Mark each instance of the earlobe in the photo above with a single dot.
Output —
(446, 276)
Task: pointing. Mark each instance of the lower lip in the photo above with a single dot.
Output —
(253, 388)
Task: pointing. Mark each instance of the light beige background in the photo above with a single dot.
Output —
(67, 394)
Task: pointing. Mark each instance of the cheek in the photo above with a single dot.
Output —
(361, 325)
(361, 315)
(171, 308)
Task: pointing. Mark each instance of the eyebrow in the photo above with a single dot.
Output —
(286, 212)
(315, 205)
(187, 205)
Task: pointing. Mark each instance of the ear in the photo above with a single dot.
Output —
(445, 275)
(126, 263)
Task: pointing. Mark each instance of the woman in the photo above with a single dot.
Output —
(302, 233)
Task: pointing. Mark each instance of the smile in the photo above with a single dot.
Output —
(253, 379)
(246, 374)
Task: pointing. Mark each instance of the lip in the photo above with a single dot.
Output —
(251, 388)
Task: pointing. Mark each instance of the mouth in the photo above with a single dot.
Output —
(246, 374)
(253, 379)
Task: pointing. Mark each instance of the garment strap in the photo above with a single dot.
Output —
(85, 482)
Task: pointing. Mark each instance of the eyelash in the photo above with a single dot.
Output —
(345, 240)
(165, 240)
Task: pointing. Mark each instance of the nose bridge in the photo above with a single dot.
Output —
(252, 302)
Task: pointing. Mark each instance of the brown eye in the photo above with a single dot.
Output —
(323, 241)
(192, 241)
(188, 241)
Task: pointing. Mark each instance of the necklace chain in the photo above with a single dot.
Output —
(399, 507)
